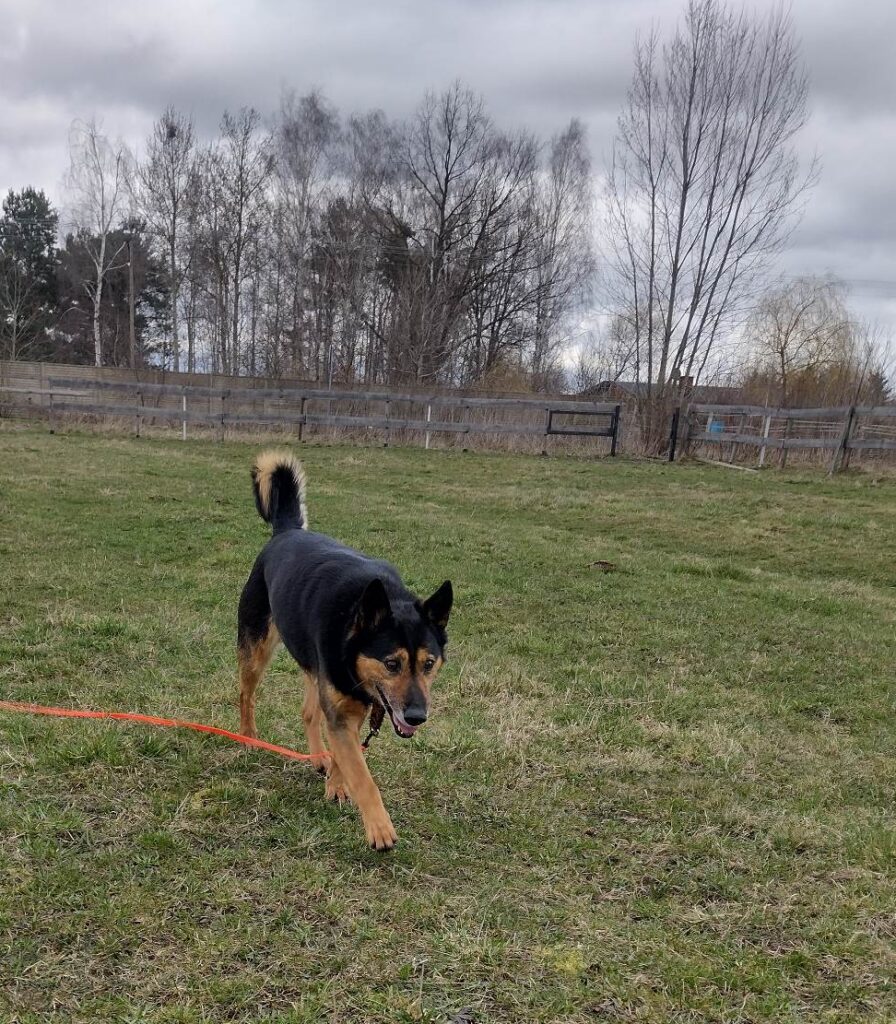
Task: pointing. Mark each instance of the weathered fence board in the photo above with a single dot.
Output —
(148, 412)
(871, 443)
(835, 412)
(768, 442)
(876, 411)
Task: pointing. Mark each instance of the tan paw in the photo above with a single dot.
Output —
(320, 763)
(335, 789)
(381, 834)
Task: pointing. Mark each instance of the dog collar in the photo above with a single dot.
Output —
(377, 714)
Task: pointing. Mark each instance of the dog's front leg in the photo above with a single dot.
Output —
(344, 720)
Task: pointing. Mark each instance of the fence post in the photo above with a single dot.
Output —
(842, 448)
(673, 432)
(787, 423)
(741, 425)
(766, 426)
(388, 418)
(615, 436)
(138, 417)
(686, 438)
(548, 418)
(223, 412)
(428, 418)
(302, 420)
(184, 420)
(847, 450)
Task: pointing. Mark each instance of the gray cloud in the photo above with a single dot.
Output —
(537, 64)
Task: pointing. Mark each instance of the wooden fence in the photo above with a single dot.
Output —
(398, 415)
(840, 430)
(217, 405)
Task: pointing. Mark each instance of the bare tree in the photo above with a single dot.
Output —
(441, 250)
(799, 327)
(465, 182)
(22, 314)
(167, 179)
(98, 184)
(704, 186)
(245, 163)
(604, 356)
(305, 143)
(234, 174)
(565, 258)
(808, 350)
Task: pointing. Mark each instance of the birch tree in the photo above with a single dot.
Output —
(98, 185)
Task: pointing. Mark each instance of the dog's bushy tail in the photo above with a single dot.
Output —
(278, 481)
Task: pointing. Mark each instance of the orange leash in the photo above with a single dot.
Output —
(126, 716)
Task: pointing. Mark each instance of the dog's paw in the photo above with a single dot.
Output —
(381, 834)
(335, 789)
(320, 763)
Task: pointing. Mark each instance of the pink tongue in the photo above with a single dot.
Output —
(405, 729)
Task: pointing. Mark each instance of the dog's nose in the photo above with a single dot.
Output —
(415, 714)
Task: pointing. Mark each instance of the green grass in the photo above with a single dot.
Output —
(659, 794)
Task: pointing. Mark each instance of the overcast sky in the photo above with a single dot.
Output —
(537, 64)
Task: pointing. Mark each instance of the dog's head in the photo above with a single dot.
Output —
(398, 648)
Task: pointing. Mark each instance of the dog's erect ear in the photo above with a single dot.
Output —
(373, 608)
(438, 607)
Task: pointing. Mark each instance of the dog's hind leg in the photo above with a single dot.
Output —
(312, 719)
(257, 639)
(254, 658)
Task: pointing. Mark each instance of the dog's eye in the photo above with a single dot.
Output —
(392, 664)
(428, 664)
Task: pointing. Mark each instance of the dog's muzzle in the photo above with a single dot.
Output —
(406, 722)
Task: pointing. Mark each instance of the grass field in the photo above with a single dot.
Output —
(662, 794)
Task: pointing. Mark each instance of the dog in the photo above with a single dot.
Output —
(364, 642)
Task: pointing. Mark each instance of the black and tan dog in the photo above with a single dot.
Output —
(362, 639)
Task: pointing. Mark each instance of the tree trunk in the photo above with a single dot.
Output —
(175, 340)
(97, 304)
(132, 333)
(191, 346)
